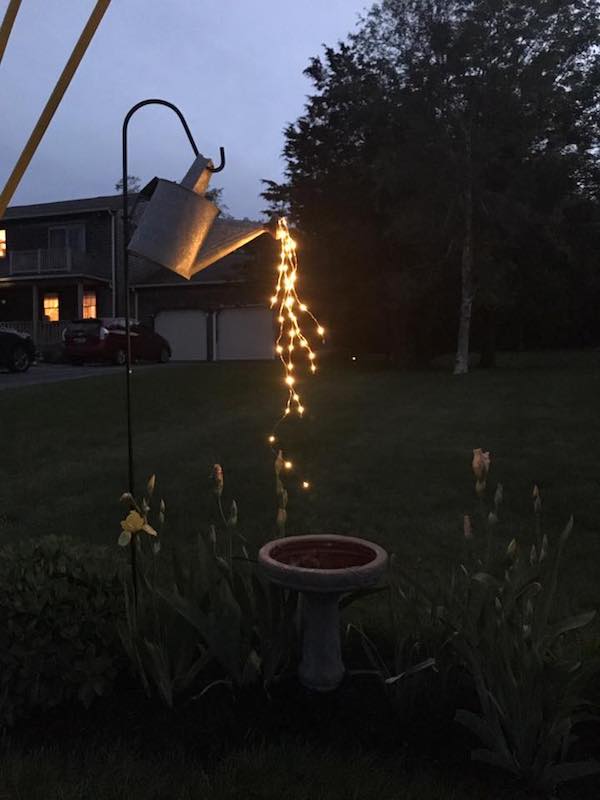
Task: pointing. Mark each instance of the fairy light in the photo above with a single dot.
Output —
(291, 311)
(294, 318)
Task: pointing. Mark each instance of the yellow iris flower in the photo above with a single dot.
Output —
(134, 523)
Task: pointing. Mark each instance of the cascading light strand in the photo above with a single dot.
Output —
(291, 338)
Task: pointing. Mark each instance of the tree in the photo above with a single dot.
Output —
(442, 147)
(215, 195)
(134, 184)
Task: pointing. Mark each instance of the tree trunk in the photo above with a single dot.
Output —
(488, 347)
(461, 364)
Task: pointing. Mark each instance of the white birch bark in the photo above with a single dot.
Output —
(461, 364)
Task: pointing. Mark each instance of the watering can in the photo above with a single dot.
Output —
(176, 220)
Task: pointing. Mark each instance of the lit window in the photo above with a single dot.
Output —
(2, 244)
(89, 305)
(51, 308)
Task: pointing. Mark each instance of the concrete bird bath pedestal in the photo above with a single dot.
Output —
(322, 568)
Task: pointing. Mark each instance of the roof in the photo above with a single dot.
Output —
(222, 258)
(110, 202)
(55, 277)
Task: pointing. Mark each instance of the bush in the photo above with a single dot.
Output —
(59, 604)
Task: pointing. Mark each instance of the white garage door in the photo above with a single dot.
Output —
(186, 333)
(245, 333)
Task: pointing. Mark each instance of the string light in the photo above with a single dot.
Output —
(290, 310)
(291, 338)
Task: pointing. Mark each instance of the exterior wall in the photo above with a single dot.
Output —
(103, 301)
(196, 296)
(16, 304)
(32, 234)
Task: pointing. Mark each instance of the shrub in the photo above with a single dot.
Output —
(58, 609)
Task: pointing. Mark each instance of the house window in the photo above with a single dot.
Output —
(67, 236)
(89, 305)
(51, 308)
(2, 244)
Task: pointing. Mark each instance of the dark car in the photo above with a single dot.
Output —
(17, 351)
(105, 340)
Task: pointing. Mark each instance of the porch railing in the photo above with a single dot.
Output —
(28, 262)
(44, 333)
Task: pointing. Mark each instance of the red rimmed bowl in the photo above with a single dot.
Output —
(323, 563)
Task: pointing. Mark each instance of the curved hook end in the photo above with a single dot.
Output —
(222, 161)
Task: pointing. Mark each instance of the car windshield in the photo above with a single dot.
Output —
(117, 323)
(88, 325)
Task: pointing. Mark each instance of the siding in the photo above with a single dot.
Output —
(207, 298)
(23, 234)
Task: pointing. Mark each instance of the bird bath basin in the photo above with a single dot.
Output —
(322, 568)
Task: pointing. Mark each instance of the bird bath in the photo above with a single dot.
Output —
(322, 568)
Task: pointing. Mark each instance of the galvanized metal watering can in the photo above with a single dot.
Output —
(176, 228)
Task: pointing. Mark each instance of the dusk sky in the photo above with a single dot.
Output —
(234, 67)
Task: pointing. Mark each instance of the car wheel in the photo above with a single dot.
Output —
(120, 357)
(164, 355)
(19, 359)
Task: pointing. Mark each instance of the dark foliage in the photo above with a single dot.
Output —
(430, 107)
(58, 640)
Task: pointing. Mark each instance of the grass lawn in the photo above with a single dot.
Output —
(387, 453)
(293, 772)
(388, 456)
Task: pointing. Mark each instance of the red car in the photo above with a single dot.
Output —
(104, 340)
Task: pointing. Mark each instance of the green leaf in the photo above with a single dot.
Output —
(561, 773)
(151, 484)
(495, 760)
(487, 580)
(361, 594)
(124, 538)
(570, 624)
(427, 664)
(219, 682)
(484, 732)
(233, 515)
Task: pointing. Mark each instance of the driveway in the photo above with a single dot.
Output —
(54, 373)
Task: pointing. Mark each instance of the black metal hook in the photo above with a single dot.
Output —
(126, 216)
(158, 102)
(222, 163)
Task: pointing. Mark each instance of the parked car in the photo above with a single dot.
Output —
(104, 340)
(17, 351)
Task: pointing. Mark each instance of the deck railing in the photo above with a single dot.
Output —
(35, 262)
(42, 332)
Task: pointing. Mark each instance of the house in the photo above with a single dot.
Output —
(62, 261)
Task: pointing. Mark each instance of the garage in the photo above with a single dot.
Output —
(245, 333)
(186, 332)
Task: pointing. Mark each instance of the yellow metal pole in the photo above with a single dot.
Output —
(7, 24)
(53, 103)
